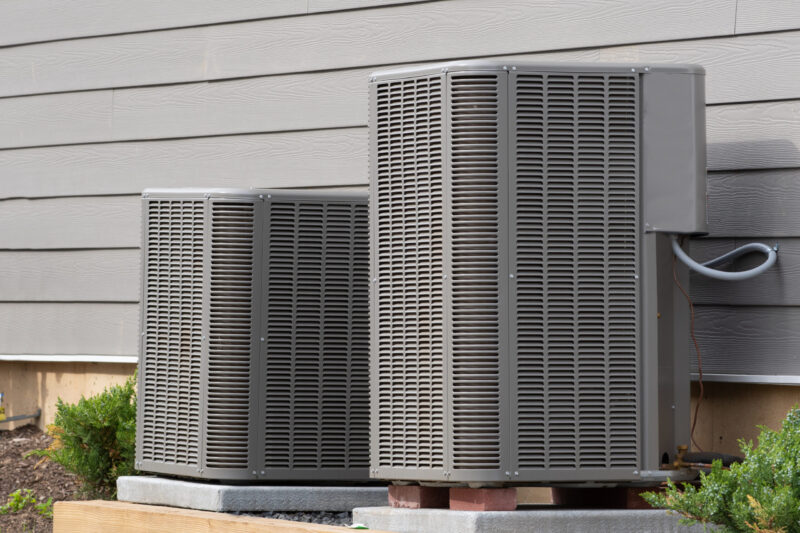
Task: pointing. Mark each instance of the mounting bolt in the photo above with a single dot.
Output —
(636, 276)
(444, 276)
(633, 70)
(444, 69)
(207, 195)
(269, 196)
(254, 472)
(505, 67)
(262, 472)
(508, 473)
(516, 473)
(261, 196)
(143, 334)
(262, 339)
(374, 280)
(146, 195)
(513, 68)
(635, 472)
(202, 337)
(647, 69)
(673, 406)
(511, 276)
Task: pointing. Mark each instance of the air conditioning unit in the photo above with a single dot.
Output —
(525, 325)
(254, 355)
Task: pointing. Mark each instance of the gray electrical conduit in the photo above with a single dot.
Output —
(705, 270)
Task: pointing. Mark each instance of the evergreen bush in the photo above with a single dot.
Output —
(761, 494)
(96, 438)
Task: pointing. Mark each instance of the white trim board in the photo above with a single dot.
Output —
(36, 358)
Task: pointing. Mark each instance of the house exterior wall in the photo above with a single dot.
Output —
(102, 98)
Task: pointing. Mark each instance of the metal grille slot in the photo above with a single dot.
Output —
(316, 351)
(474, 153)
(576, 254)
(230, 339)
(409, 271)
(172, 319)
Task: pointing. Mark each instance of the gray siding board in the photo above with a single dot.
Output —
(405, 33)
(748, 340)
(736, 69)
(752, 136)
(778, 286)
(80, 275)
(767, 15)
(63, 223)
(755, 204)
(68, 328)
(334, 157)
(29, 21)
(318, 6)
(299, 159)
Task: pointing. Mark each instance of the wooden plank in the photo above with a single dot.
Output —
(29, 21)
(754, 203)
(328, 41)
(736, 68)
(763, 135)
(767, 15)
(77, 275)
(748, 340)
(76, 358)
(124, 517)
(59, 223)
(301, 159)
(65, 328)
(780, 285)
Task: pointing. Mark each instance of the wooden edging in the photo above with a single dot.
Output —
(123, 517)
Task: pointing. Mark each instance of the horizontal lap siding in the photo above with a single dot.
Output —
(273, 94)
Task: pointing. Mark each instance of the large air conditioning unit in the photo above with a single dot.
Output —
(254, 356)
(525, 324)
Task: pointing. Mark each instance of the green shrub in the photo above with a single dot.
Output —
(96, 438)
(761, 494)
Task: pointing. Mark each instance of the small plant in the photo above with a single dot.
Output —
(22, 498)
(759, 495)
(96, 438)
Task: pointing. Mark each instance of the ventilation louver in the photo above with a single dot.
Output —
(254, 352)
(518, 268)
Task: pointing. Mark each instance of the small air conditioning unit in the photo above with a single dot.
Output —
(525, 323)
(254, 350)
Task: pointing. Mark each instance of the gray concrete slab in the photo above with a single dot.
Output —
(521, 521)
(246, 498)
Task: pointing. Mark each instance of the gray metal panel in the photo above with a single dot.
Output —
(315, 354)
(476, 266)
(674, 152)
(206, 252)
(575, 233)
(171, 321)
(408, 322)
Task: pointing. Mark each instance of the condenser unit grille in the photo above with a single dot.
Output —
(230, 334)
(475, 130)
(316, 364)
(575, 213)
(409, 319)
(173, 324)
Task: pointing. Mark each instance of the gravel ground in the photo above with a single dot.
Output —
(319, 517)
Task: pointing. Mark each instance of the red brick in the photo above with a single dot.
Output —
(417, 497)
(466, 499)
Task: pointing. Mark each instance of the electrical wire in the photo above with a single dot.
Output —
(705, 270)
(696, 348)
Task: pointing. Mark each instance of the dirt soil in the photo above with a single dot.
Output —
(46, 479)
